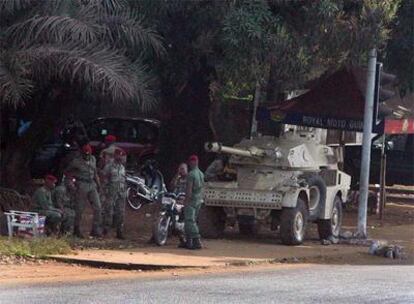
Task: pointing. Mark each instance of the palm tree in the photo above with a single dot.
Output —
(54, 50)
(98, 44)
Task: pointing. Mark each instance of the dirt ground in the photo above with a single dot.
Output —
(397, 227)
(138, 226)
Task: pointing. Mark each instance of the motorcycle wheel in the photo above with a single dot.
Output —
(134, 200)
(161, 229)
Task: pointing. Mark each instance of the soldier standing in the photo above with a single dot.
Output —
(42, 199)
(179, 182)
(83, 169)
(107, 154)
(115, 194)
(64, 199)
(193, 201)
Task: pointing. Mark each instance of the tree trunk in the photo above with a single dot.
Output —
(256, 101)
(272, 90)
(274, 94)
(215, 105)
(188, 127)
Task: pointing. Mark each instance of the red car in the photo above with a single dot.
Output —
(137, 136)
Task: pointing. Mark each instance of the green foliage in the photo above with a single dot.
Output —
(250, 33)
(97, 44)
(107, 45)
(400, 49)
(38, 247)
(295, 41)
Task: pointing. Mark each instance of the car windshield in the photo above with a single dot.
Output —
(134, 131)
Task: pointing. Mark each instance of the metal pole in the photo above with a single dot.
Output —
(382, 179)
(366, 145)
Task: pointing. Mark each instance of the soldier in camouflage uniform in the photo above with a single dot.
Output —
(43, 204)
(115, 194)
(83, 169)
(193, 201)
(179, 182)
(64, 199)
(107, 154)
(105, 157)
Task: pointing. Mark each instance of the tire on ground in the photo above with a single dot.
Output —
(211, 222)
(331, 227)
(161, 239)
(293, 223)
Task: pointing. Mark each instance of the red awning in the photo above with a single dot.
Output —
(401, 126)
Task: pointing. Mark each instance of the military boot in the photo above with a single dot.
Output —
(189, 244)
(197, 243)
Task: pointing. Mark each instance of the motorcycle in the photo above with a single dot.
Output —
(146, 187)
(171, 218)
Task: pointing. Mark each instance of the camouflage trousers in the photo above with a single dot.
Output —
(68, 221)
(190, 220)
(53, 218)
(88, 193)
(114, 207)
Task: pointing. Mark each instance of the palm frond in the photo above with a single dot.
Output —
(11, 7)
(15, 88)
(100, 69)
(126, 29)
(52, 29)
(108, 6)
(145, 92)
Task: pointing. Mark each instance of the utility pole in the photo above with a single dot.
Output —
(366, 145)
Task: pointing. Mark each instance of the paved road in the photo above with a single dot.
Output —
(307, 284)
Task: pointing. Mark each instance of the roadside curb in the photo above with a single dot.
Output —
(120, 266)
(149, 267)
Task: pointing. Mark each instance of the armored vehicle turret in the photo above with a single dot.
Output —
(285, 182)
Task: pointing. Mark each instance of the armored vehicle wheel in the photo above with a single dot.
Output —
(317, 195)
(248, 225)
(211, 222)
(331, 227)
(293, 224)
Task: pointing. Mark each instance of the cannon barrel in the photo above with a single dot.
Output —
(219, 148)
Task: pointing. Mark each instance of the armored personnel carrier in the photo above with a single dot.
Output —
(283, 182)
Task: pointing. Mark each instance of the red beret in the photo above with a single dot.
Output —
(87, 149)
(110, 138)
(51, 178)
(193, 158)
(68, 175)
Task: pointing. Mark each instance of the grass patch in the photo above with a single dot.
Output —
(36, 247)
